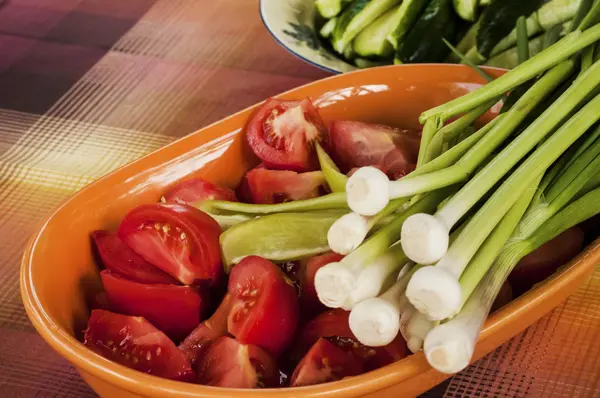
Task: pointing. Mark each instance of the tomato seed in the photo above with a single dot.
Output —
(158, 351)
(148, 356)
(135, 360)
(166, 229)
(110, 342)
(157, 226)
(251, 304)
(254, 292)
(182, 236)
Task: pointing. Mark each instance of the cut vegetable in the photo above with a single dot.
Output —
(334, 178)
(330, 8)
(424, 43)
(355, 18)
(405, 17)
(466, 9)
(327, 29)
(278, 237)
(372, 41)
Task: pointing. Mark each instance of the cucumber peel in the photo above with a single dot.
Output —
(330, 8)
(466, 9)
(405, 18)
(372, 41)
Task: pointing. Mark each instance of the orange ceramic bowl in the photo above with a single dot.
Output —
(58, 272)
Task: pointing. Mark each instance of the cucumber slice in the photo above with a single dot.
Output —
(355, 18)
(466, 9)
(278, 237)
(373, 41)
(424, 42)
(406, 16)
(509, 59)
(327, 29)
(499, 19)
(330, 8)
(367, 63)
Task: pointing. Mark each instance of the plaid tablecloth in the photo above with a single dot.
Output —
(89, 85)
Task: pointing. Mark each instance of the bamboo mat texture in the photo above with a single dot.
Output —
(89, 85)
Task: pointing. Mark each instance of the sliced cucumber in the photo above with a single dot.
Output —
(373, 41)
(367, 63)
(509, 58)
(330, 8)
(356, 17)
(406, 16)
(327, 29)
(424, 42)
(499, 19)
(557, 12)
(466, 9)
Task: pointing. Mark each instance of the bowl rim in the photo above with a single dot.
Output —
(282, 44)
(137, 382)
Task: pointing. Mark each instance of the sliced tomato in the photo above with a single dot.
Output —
(118, 257)
(176, 310)
(323, 363)
(214, 327)
(277, 186)
(180, 239)
(543, 262)
(227, 363)
(135, 343)
(356, 144)
(309, 301)
(265, 307)
(196, 190)
(333, 325)
(282, 133)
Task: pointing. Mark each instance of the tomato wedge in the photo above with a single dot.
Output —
(323, 363)
(180, 239)
(119, 258)
(309, 301)
(227, 363)
(357, 144)
(282, 133)
(277, 186)
(135, 343)
(176, 310)
(196, 190)
(214, 327)
(333, 325)
(265, 307)
(543, 262)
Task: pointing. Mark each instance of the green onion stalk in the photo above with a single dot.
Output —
(435, 290)
(449, 347)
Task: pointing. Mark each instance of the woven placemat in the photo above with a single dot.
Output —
(89, 85)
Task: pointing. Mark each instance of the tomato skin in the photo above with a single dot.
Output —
(119, 258)
(264, 301)
(200, 338)
(135, 343)
(180, 239)
(356, 144)
(277, 186)
(309, 301)
(100, 302)
(333, 325)
(196, 190)
(323, 363)
(281, 134)
(176, 310)
(543, 262)
(227, 363)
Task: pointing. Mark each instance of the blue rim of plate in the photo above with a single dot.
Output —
(282, 44)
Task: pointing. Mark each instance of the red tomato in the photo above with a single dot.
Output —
(214, 327)
(227, 363)
(196, 190)
(543, 262)
(323, 363)
(281, 134)
(135, 343)
(309, 301)
(100, 302)
(277, 186)
(176, 310)
(333, 325)
(119, 258)
(357, 144)
(180, 239)
(265, 308)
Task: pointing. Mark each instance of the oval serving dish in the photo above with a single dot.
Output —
(59, 274)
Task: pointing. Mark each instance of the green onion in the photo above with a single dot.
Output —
(449, 347)
(433, 300)
(522, 40)
(331, 201)
(334, 178)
